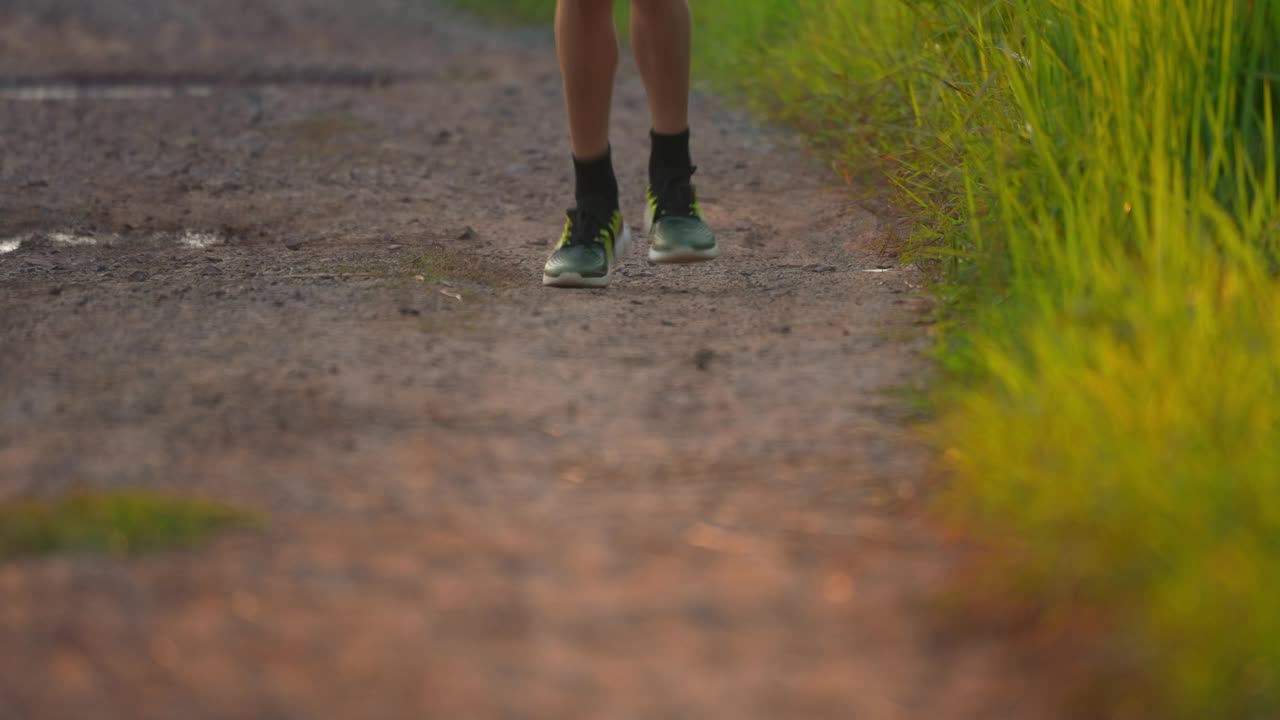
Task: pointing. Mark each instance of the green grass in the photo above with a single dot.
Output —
(115, 523)
(1095, 186)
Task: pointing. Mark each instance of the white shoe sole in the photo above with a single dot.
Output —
(574, 280)
(680, 257)
(675, 257)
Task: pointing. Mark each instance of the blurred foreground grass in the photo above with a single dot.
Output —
(1095, 184)
(116, 523)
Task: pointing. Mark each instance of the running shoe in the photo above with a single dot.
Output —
(673, 221)
(589, 250)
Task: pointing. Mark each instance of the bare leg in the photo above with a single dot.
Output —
(661, 33)
(587, 46)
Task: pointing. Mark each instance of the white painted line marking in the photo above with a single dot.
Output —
(72, 240)
(62, 92)
(200, 240)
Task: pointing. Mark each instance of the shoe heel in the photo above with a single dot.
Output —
(623, 245)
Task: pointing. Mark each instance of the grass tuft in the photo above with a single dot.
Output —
(113, 523)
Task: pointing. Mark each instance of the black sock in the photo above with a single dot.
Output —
(670, 153)
(595, 186)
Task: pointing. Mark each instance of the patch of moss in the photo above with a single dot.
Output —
(354, 269)
(321, 129)
(440, 268)
(116, 523)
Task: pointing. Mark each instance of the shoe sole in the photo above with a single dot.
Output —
(682, 257)
(574, 280)
(675, 257)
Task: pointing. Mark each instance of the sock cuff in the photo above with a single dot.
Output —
(606, 156)
(669, 152)
(658, 137)
(595, 184)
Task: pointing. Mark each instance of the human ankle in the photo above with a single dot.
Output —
(595, 185)
(668, 154)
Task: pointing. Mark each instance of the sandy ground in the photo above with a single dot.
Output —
(288, 255)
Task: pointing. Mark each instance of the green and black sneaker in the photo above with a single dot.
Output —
(588, 251)
(673, 221)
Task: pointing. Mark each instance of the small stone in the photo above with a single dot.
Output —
(783, 329)
(819, 268)
(467, 233)
(293, 244)
(394, 247)
(410, 311)
(702, 359)
(138, 276)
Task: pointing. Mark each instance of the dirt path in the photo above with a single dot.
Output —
(300, 272)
